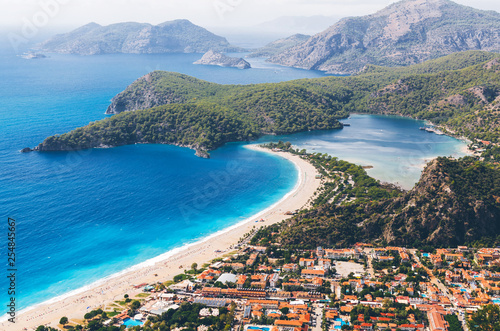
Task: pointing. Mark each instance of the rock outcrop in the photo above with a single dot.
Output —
(404, 33)
(218, 59)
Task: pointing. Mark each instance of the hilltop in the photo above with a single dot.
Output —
(178, 36)
(404, 33)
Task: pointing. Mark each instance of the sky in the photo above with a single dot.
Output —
(67, 14)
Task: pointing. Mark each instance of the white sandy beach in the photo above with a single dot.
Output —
(75, 306)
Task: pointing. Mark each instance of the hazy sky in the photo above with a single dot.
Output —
(208, 13)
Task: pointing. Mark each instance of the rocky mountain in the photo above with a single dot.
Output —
(455, 202)
(179, 36)
(218, 59)
(404, 33)
(279, 46)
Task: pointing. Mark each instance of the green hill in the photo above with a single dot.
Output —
(455, 202)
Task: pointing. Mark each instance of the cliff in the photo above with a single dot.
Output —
(404, 33)
(218, 59)
(455, 202)
(179, 36)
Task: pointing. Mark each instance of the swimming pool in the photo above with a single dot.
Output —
(130, 322)
(496, 301)
(338, 319)
(258, 328)
(425, 254)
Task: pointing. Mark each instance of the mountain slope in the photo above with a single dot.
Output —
(455, 202)
(404, 33)
(180, 36)
(279, 46)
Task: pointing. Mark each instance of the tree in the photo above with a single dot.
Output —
(487, 318)
(135, 305)
(194, 266)
(63, 320)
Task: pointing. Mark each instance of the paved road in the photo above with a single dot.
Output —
(434, 279)
(319, 316)
(371, 271)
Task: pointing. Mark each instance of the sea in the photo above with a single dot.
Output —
(82, 216)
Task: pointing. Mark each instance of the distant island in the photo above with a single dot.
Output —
(404, 33)
(218, 59)
(178, 36)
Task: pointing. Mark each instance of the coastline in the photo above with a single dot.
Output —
(76, 303)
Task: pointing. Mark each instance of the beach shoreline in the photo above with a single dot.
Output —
(164, 267)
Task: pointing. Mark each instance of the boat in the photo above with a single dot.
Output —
(346, 124)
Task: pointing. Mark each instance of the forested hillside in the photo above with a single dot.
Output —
(455, 202)
(461, 92)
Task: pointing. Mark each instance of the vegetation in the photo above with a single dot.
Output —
(485, 319)
(453, 322)
(456, 202)
(458, 92)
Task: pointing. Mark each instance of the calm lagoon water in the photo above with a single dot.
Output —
(85, 215)
(394, 146)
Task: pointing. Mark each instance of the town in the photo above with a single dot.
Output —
(358, 288)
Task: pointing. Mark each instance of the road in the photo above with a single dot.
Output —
(319, 316)
(434, 280)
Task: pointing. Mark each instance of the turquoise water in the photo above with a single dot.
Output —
(130, 323)
(338, 319)
(262, 328)
(76, 211)
(394, 146)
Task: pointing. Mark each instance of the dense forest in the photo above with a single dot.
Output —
(460, 92)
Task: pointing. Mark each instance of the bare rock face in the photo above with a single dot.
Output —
(404, 33)
(218, 59)
(179, 36)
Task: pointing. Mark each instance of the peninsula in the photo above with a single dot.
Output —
(171, 108)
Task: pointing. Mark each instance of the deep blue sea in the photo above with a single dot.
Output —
(84, 215)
